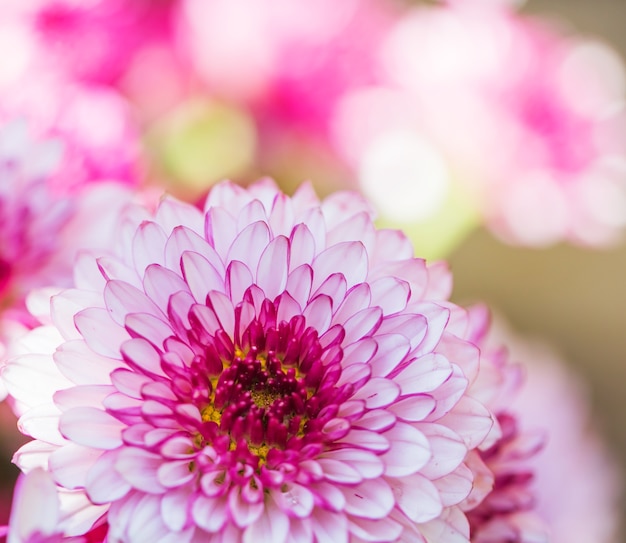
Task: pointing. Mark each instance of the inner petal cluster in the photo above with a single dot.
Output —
(269, 391)
(246, 407)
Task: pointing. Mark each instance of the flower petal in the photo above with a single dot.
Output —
(378, 392)
(451, 526)
(140, 469)
(200, 275)
(413, 408)
(299, 284)
(102, 335)
(41, 422)
(372, 499)
(223, 308)
(122, 299)
(210, 513)
(348, 258)
(378, 530)
(141, 356)
(339, 472)
(302, 247)
(366, 463)
(424, 375)
(271, 274)
(409, 452)
(330, 527)
(272, 525)
(471, 420)
(148, 246)
(238, 280)
(91, 427)
(83, 366)
(250, 244)
(417, 497)
(103, 483)
(295, 500)
(244, 514)
(390, 294)
(70, 464)
(174, 507)
(35, 491)
(448, 450)
(318, 313)
(149, 327)
(159, 283)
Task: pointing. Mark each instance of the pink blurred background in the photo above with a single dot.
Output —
(574, 298)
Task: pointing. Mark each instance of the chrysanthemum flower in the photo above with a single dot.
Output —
(270, 369)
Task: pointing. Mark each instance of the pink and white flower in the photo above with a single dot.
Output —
(269, 369)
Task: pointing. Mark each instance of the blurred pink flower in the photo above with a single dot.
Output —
(501, 505)
(546, 436)
(93, 41)
(289, 62)
(45, 218)
(30, 216)
(272, 368)
(507, 512)
(574, 445)
(526, 118)
(127, 48)
(99, 131)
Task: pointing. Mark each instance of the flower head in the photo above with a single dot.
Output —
(270, 369)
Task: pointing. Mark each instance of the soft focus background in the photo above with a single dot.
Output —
(573, 297)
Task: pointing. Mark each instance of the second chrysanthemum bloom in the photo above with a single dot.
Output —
(268, 369)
